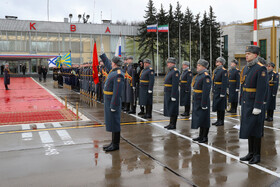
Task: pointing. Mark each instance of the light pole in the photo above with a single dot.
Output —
(70, 16)
(79, 16)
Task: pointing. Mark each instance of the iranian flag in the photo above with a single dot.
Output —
(163, 28)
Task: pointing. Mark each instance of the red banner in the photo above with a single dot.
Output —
(94, 65)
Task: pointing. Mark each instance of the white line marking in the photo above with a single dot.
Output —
(65, 137)
(50, 150)
(26, 135)
(40, 126)
(45, 137)
(212, 148)
(56, 124)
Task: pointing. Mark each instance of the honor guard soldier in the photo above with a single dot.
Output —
(220, 82)
(273, 78)
(130, 86)
(138, 71)
(124, 68)
(201, 101)
(171, 93)
(112, 101)
(6, 76)
(233, 85)
(147, 78)
(185, 88)
(252, 107)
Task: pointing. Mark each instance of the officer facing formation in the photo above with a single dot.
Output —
(201, 101)
(124, 68)
(252, 107)
(273, 78)
(171, 93)
(130, 86)
(185, 88)
(220, 80)
(112, 101)
(147, 78)
(233, 86)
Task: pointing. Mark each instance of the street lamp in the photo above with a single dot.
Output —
(79, 16)
(70, 16)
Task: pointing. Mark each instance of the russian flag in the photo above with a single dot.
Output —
(152, 28)
(119, 47)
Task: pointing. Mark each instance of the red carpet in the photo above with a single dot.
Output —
(28, 102)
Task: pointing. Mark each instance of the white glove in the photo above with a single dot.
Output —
(173, 99)
(256, 111)
(237, 90)
(133, 88)
(112, 110)
(227, 91)
(273, 95)
(150, 91)
(204, 108)
(222, 95)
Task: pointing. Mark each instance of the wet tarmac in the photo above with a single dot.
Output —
(70, 153)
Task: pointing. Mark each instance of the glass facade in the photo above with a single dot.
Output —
(44, 43)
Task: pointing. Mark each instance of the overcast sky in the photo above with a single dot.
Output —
(133, 10)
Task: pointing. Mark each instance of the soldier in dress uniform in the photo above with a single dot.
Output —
(147, 78)
(220, 84)
(273, 78)
(124, 68)
(201, 101)
(112, 101)
(171, 93)
(252, 107)
(138, 71)
(130, 86)
(185, 88)
(6, 76)
(233, 84)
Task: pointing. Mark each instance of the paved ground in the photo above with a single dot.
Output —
(70, 153)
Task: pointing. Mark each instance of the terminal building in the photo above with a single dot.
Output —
(34, 42)
(238, 36)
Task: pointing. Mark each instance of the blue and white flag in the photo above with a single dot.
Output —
(119, 48)
(52, 62)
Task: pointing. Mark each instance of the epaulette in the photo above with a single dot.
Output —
(151, 68)
(175, 69)
(224, 68)
(260, 64)
(237, 69)
(274, 71)
(206, 73)
(119, 71)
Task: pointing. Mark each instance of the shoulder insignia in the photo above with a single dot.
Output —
(260, 64)
(263, 73)
(151, 68)
(152, 72)
(177, 74)
(175, 69)
(119, 71)
(208, 80)
(119, 79)
(224, 68)
(237, 69)
(206, 73)
(274, 71)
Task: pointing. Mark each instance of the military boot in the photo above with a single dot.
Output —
(218, 118)
(116, 141)
(173, 122)
(204, 136)
(133, 110)
(106, 146)
(200, 136)
(187, 111)
(249, 156)
(148, 112)
(257, 151)
(222, 119)
(141, 111)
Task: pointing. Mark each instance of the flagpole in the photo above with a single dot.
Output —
(199, 42)
(157, 49)
(190, 46)
(179, 45)
(210, 50)
(168, 42)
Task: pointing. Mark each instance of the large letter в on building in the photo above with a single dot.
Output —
(32, 26)
(107, 30)
(72, 28)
